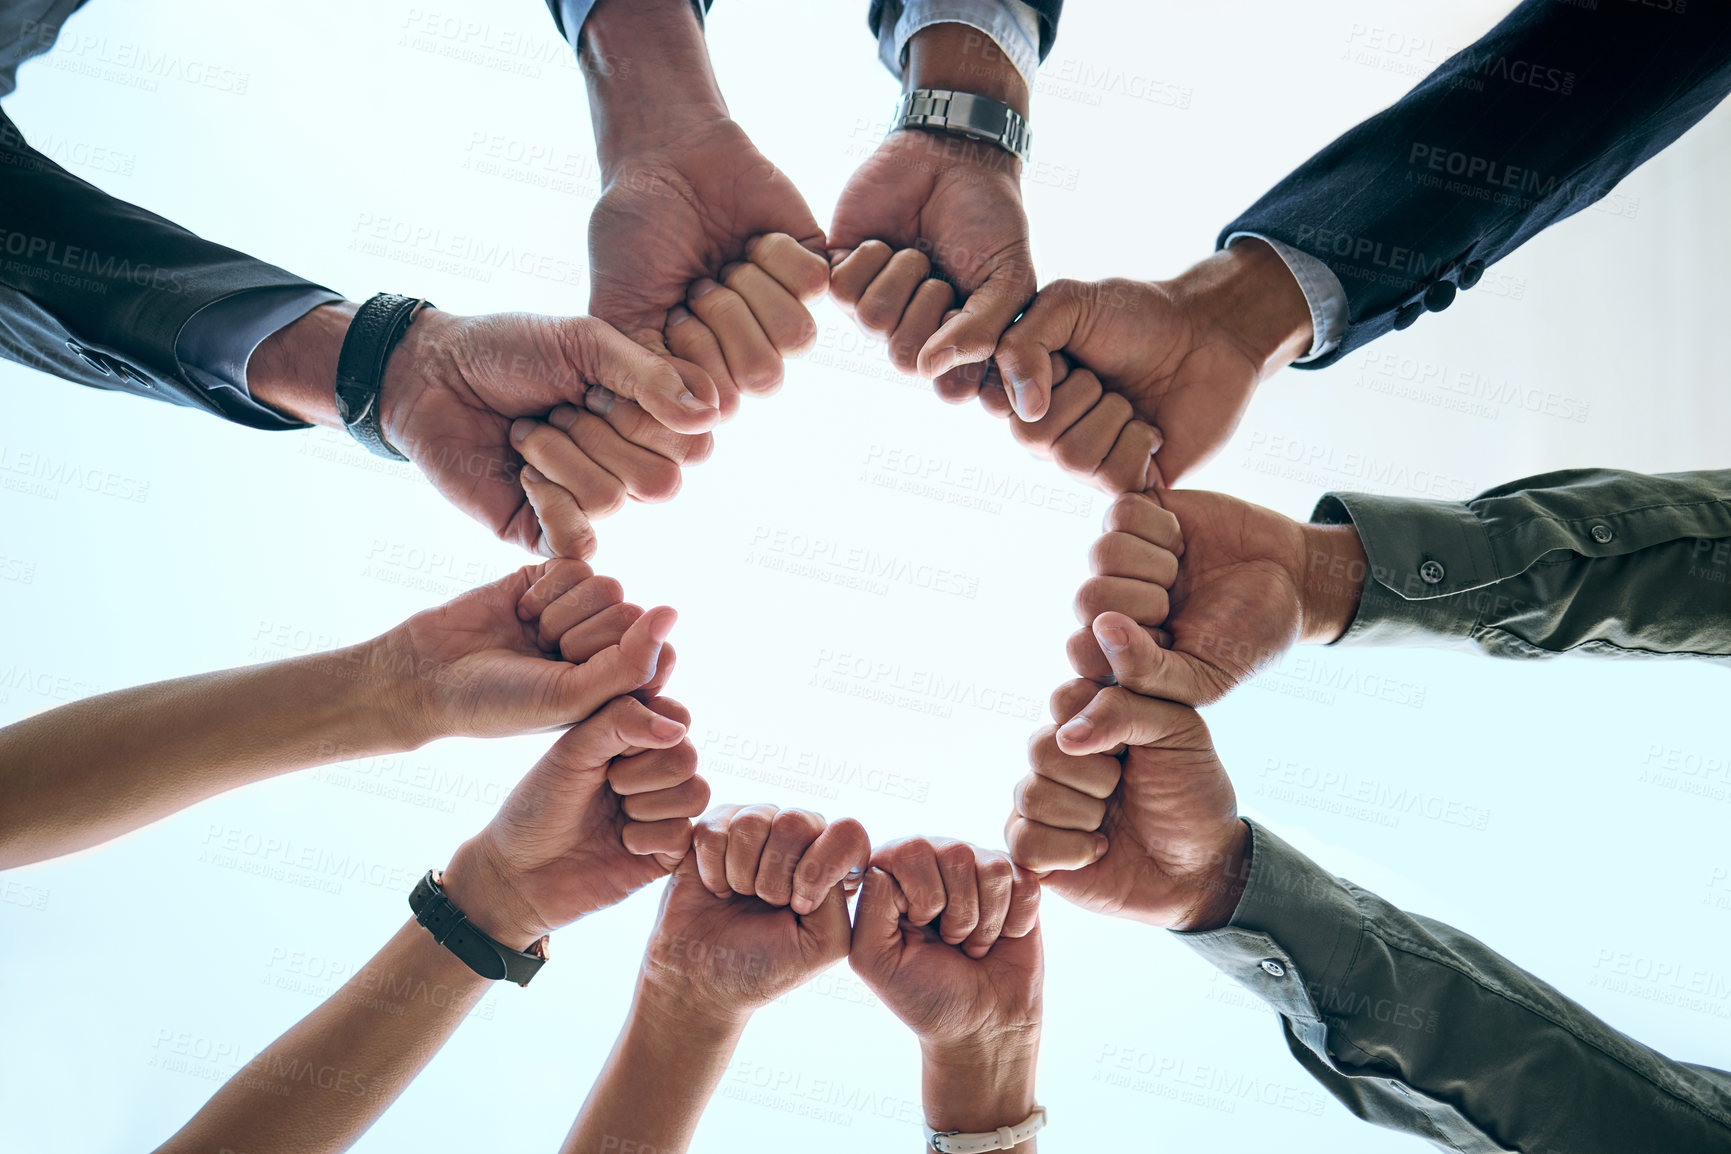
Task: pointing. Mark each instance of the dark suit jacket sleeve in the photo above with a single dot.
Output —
(1049, 11)
(96, 290)
(1533, 123)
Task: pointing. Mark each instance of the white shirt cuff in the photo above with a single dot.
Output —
(1322, 292)
(1012, 25)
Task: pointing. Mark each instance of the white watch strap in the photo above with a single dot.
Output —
(1004, 1137)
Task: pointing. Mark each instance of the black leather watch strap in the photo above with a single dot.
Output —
(451, 929)
(373, 333)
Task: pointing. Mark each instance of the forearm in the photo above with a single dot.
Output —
(294, 370)
(322, 1084)
(649, 76)
(1418, 1027)
(76, 776)
(980, 1085)
(657, 1081)
(1588, 560)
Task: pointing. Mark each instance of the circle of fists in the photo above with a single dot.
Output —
(946, 934)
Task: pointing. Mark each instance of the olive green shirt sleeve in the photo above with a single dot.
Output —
(1592, 560)
(1418, 1027)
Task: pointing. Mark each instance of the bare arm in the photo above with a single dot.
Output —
(538, 649)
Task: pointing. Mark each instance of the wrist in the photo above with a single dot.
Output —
(650, 80)
(1332, 583)
(294, 370)
(964, 59)
(1218, 890)
(667, 1009)
(1254, 298)
(482, 891)
(978, 1084)
(355, 711)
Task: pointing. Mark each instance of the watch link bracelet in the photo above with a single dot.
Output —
(1003, 1138)
(373, 333)
(965, 114)
(473, 948)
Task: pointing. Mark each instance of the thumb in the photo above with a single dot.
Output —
(971, 336)
(828, 924)
(621, 725)
(565, 529)
(1139, 663)
(877, 932)
(678, 394)
(623, 667)
(1024, 354)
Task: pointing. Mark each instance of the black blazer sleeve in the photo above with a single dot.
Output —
(1048, 10)
(1531, 124)
(96, 290)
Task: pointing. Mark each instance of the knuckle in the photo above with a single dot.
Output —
(602, 591)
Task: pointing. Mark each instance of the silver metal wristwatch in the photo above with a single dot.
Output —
(965, 114)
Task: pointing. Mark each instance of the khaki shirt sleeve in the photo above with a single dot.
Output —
(1590, 560)
(1418, 1027)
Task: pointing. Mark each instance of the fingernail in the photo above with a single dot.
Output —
(665, 728)
(837, 255)
(563, 417)
(1077, 730)
(947, 358)
(1113, 639)
(688, 400)
(1024, 391)
(1101, 845)
(678, 315)
(1153, 479)
(532, 475)
(976, 951)
(599, 400)
(662, 626)
(521, 428)
(703, 288)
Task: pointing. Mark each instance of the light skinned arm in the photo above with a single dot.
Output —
(604, 813)
(947, 934)
(481, 665)
(757, 908)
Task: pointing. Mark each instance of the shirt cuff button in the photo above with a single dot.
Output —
(1273, 968)
(1603, 534)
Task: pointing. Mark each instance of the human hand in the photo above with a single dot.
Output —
(1186, 353)
(581, 464)
(455, 386)
(1128, 806)
(757, 908)
(541, 648)
(956, 201)
(740, 328)
(605, 812)
(1230, 585)
(947, 935)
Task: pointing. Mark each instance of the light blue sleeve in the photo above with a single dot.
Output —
(217, 341)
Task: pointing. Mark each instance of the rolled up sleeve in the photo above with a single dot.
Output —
(1417, 1027)
(1590, 560)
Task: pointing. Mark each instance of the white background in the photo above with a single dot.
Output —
(322, 119)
